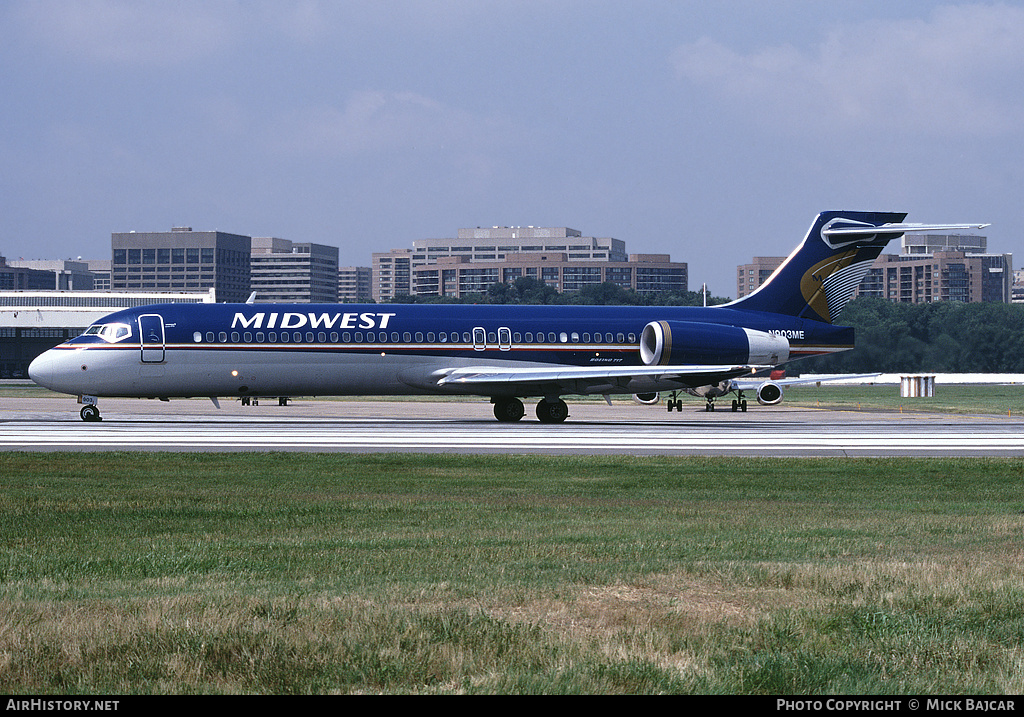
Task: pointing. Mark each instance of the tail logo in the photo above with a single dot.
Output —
(828, 286)
(838, 242)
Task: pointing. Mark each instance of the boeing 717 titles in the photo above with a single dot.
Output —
(506, 353)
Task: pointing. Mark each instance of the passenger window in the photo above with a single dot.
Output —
(419, 337)
(284, 337)
(430, 337)
(407, 337)
(465, 337)
(272, 337)
(575, 337)
(394, 337)
(209, 337)
(309, 337)
(551, 337)
(492, 338)
(529, 337)
(359, 337)
(259, 337)
(234, 337)
(223, 336)
(563, 337)
(586, 338)
(346, 337)
(297, 336)
(322, 337)
(443, 336)
(621, 338)
(197, 337)
(248, 337)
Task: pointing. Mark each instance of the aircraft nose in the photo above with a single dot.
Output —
(41, 369)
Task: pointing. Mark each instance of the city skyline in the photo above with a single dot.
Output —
(713, 133)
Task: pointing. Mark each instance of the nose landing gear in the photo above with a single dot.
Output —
(90, 413)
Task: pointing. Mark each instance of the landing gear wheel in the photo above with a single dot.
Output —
(552, 411)
(508, 410)
(90, 414)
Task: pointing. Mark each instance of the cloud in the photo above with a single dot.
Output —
(957, 73)
(120, 31)
(372, 122)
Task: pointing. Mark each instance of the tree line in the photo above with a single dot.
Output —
(942, 337)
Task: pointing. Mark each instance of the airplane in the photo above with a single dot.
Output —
(505, 353)
(767, 390)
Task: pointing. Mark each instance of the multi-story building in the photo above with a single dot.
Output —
(355, 283)
(941, 267)
(942, 276)
(558, 256)
(285, 271)
(66, 275)
(930, 267)
(23, 277)
(181, 259)
(750, 276)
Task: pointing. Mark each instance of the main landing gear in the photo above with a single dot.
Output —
(509, 410)
(674, 403)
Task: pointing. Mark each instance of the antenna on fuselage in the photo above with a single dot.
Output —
(251, 299)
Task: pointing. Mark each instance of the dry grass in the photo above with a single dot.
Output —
(414, 574)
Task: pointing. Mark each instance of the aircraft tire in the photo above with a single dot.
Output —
(90, 414)
(508, 410)
(552, 411)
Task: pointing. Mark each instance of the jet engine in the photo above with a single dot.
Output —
(769, 394)
(696, 343)
(648, 399)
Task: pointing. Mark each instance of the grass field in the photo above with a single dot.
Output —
(298, 573)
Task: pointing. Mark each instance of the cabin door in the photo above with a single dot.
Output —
(151, 333)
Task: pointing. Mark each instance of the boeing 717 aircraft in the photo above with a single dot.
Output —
(506, 353)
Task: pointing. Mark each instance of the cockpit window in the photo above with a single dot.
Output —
(110, 332)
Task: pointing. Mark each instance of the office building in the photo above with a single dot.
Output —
(929, 267)
(750, 276)
(558, 256)
(66, 275)
(182, 260)
(355, 283)
(283, 271)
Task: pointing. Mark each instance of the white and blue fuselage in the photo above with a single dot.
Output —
(503, 352)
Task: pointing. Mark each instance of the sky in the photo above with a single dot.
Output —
(711, 131)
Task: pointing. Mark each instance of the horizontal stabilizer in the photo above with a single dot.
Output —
(897, 229)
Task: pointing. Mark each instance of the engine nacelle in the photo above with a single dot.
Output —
(769, 394)
(664, 343)
(647, 399)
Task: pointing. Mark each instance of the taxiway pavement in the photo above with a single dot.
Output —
(468, 426)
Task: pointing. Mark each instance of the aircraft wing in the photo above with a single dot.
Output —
(582, 379)
(751, 384)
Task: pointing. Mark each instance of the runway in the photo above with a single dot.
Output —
(53, 424)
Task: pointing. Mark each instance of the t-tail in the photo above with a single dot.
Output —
(820, 277)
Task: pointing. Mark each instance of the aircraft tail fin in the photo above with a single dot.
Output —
(819, 278)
